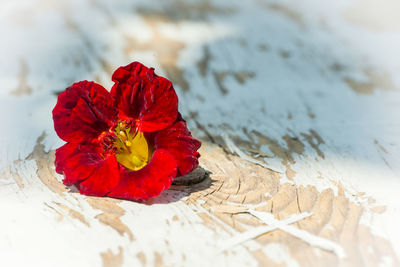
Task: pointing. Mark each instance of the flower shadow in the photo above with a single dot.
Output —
(198, 180)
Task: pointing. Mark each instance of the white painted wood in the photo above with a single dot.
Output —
(309, 88)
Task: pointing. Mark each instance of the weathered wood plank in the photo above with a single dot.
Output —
(295, 103)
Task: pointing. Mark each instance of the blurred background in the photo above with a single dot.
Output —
(310, 87)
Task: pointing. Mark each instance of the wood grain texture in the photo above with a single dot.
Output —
(295, 103)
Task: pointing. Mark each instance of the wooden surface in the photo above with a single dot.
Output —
(296, 103)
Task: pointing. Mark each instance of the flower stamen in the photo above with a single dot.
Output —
(122, 135)
(132, 150)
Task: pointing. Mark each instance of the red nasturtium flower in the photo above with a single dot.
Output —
(129, 143)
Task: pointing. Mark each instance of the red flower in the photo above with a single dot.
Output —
(129, 143)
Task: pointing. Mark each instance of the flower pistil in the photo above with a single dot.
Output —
(132, 150)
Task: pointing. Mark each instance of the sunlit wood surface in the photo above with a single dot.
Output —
(297, 104)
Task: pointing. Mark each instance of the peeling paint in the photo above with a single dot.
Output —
(288, 12)
(375, 81)
(112, 260)
(23, 86)
(295, 146)
(142, 258)
(111, 214)
(203, 63)
(45, 161)
(74, 214)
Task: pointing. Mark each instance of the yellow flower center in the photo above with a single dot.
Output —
(132, 148)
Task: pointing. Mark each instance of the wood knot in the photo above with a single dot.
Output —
(196, 176)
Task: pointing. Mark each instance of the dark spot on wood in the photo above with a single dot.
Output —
(196, 176)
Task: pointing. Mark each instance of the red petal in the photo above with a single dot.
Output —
(103, 179)
(144, 97)
(83, 111)
(85, 166)
(70, 161)
(149, 181)
(178, 141)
